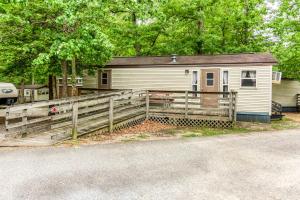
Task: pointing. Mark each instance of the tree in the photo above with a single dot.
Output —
(286, 33)
(49, 34)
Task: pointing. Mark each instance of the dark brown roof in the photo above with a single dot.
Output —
(249, 58)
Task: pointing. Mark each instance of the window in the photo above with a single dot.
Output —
(248, 78)
(104, 78)
(276, 77)
(209, 79)
(195, 82)
(225, 82)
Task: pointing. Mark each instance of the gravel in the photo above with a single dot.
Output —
(259, 166)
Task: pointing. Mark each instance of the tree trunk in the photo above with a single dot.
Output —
(50, 86)
(22, 88)
(246, 24)
(137, 45)
(54, 85)
(64, 70)
(73, 77)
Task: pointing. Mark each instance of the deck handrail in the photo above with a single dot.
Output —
(190, 91)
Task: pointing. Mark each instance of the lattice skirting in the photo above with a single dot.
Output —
(129, 123)
(118, 126)
(193, 122)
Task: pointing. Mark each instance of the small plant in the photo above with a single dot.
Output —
(192, 134)
(143, 136)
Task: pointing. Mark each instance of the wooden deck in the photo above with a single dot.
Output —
(59, 119)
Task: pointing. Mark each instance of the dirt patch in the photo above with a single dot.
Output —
(293, 116)
(147, 130)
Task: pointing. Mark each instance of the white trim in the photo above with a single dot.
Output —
(256, 78)
(197, 79)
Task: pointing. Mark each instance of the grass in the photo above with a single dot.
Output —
(143, 136)
(285, 123)
(197, 132)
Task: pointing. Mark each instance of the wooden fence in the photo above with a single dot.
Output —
(189, 108)
(78, 115)
(120, 109)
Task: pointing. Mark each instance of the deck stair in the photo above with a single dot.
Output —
(276, 111)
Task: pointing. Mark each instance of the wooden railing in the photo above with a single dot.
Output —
(190, 104)
(110, 111)
(78, 114)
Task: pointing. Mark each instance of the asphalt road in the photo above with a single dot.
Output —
(255, 166)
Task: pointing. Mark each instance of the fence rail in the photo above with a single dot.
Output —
(76, 114)
(118, 109)
(191, 104)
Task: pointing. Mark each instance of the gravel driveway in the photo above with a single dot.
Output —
(253, 166)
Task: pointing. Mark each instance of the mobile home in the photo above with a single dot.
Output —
(286, 93)
(250, 75)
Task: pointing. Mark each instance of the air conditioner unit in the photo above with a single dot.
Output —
(276, 77)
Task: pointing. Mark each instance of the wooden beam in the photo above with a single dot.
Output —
(74, 120)
(111, 115)
(147, 104)
(186, 103)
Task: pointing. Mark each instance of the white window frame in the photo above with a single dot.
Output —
(197, 80)
(277, 75)
(104, 78)
(213, 79)
(222, 85)
(248, 87)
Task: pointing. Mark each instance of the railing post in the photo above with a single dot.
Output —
(186, 103)
(111, 115)
(234, 94)
(24, 121)
(6, 118)
(147, 105)
(74, 119)
(235, 106)
(230, 106)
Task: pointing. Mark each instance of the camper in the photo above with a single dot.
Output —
(250, 75)
(8, 94)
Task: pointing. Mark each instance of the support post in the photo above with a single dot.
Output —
(74, 120)
(230, 106)
(6, 118)
(147, 104)
(111, 115)
(234, 106)
(24, 121)
(186, 103)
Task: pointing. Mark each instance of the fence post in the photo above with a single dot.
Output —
(6, 118)
(74, 119)
(24, 121)
(147, 105)
(186, 103)
(111, 115)
(230, 105)
(234, 106)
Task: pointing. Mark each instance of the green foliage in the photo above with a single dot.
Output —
(286, 28)
(37, 35)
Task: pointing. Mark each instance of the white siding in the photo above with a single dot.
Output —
(151, 78)
(174, 78)
(90, 81)
(285, 92)
(253, 99)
